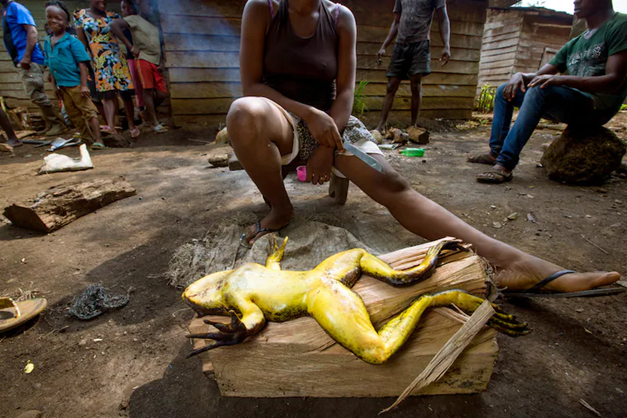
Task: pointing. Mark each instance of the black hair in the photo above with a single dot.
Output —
(133, 5)
(61, 5)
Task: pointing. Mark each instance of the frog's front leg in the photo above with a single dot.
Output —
(273, 261)
(250, 322)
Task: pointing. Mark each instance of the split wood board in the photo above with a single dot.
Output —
(298, 359)
(59, 206)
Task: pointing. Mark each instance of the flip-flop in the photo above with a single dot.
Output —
(97, 146)
(160, 129)
(494, 177)
(13, 314)
(135, 133)
(244, 240)
(539, 290)
(481, 159)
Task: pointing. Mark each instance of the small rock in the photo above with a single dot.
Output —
(30, 414)
(618, 201)
(579, 310)
(141, 198)
(615, 225)
(513, 216)
(603, 191)
(493, 207)
(82, 342)
(532, 218)
(588, 216)
(497, 225)
(377, 136)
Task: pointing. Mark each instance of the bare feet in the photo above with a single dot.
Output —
(528, 271)
(382, 130)
(275, 220)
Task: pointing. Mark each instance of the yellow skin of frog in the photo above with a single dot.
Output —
(254, 294)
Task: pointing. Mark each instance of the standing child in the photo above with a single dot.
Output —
(147, 49)
(67, 59)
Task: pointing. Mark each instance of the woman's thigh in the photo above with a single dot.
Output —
(252, 121)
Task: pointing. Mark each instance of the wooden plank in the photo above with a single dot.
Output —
(202, 59)
(429, 103)
(501, 44)
(221, 105)
(370, 62)
(211, 8)
(496, 58)
(203, 75)
(230, 90)
(434, 78)
(459, 54)
(300, 359)
(376, 34)
(59, 206)
(497, 52)
(497, 64)
(171, 23)
(179, 42)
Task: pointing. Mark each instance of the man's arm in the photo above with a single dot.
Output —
(445, 32)
(615, 74)
(118, 26)
(31, 41)
(520, 81)
(391, 34)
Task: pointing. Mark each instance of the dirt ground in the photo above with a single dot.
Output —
(131, 362)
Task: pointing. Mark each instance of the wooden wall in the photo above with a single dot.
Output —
(515, 40)
(10, 85)
(202, 54)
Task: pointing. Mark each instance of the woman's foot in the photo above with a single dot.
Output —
(135, 132)
(528, 271)
(274, 221)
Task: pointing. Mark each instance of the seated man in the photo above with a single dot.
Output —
(591, 93)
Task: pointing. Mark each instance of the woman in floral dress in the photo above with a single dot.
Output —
(110, 66)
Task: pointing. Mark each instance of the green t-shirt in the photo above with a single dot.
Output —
(587, 54)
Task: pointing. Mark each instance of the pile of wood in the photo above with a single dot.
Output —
(297, 358)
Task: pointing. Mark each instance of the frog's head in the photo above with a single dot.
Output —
(205, 296)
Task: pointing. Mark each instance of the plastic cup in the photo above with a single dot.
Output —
(301, 173)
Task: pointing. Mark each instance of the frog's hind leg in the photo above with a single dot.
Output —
(273, 261)
(378, 269)
(343, 315)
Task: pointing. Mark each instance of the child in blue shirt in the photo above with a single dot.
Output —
(67, 59)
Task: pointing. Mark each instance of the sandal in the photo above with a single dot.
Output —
(244, 241)
(97, 146)
(160, 129)
(13, 314)
(495, 177)
(539, 289)
(481, 159)
(135, 133)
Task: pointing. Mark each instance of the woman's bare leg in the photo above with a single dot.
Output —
(260, 134)
(517, 269)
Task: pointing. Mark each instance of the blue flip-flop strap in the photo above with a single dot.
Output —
(549, 279)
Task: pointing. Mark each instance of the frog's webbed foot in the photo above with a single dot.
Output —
(276, 254)
(500, 321)
(230, 334)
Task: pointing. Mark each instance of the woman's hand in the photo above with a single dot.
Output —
(324, 130)
(319, 165)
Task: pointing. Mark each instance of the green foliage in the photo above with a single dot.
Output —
(359, 104)
(623, 108)
(485, 102)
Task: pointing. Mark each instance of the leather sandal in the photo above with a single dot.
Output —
(494, 177)
(482, 158)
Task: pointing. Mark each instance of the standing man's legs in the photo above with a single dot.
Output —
(6, 126)
(392, 88)
(416, 98)
(33, 82)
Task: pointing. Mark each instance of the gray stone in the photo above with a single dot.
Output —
(584, 155)
(30, 414)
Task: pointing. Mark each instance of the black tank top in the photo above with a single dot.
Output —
(302, 69)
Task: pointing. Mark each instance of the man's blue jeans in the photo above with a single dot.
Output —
(562, 104)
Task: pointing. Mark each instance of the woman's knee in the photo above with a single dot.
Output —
(394, 183)
(246, 113)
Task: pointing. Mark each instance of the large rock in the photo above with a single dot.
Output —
(584, 155)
